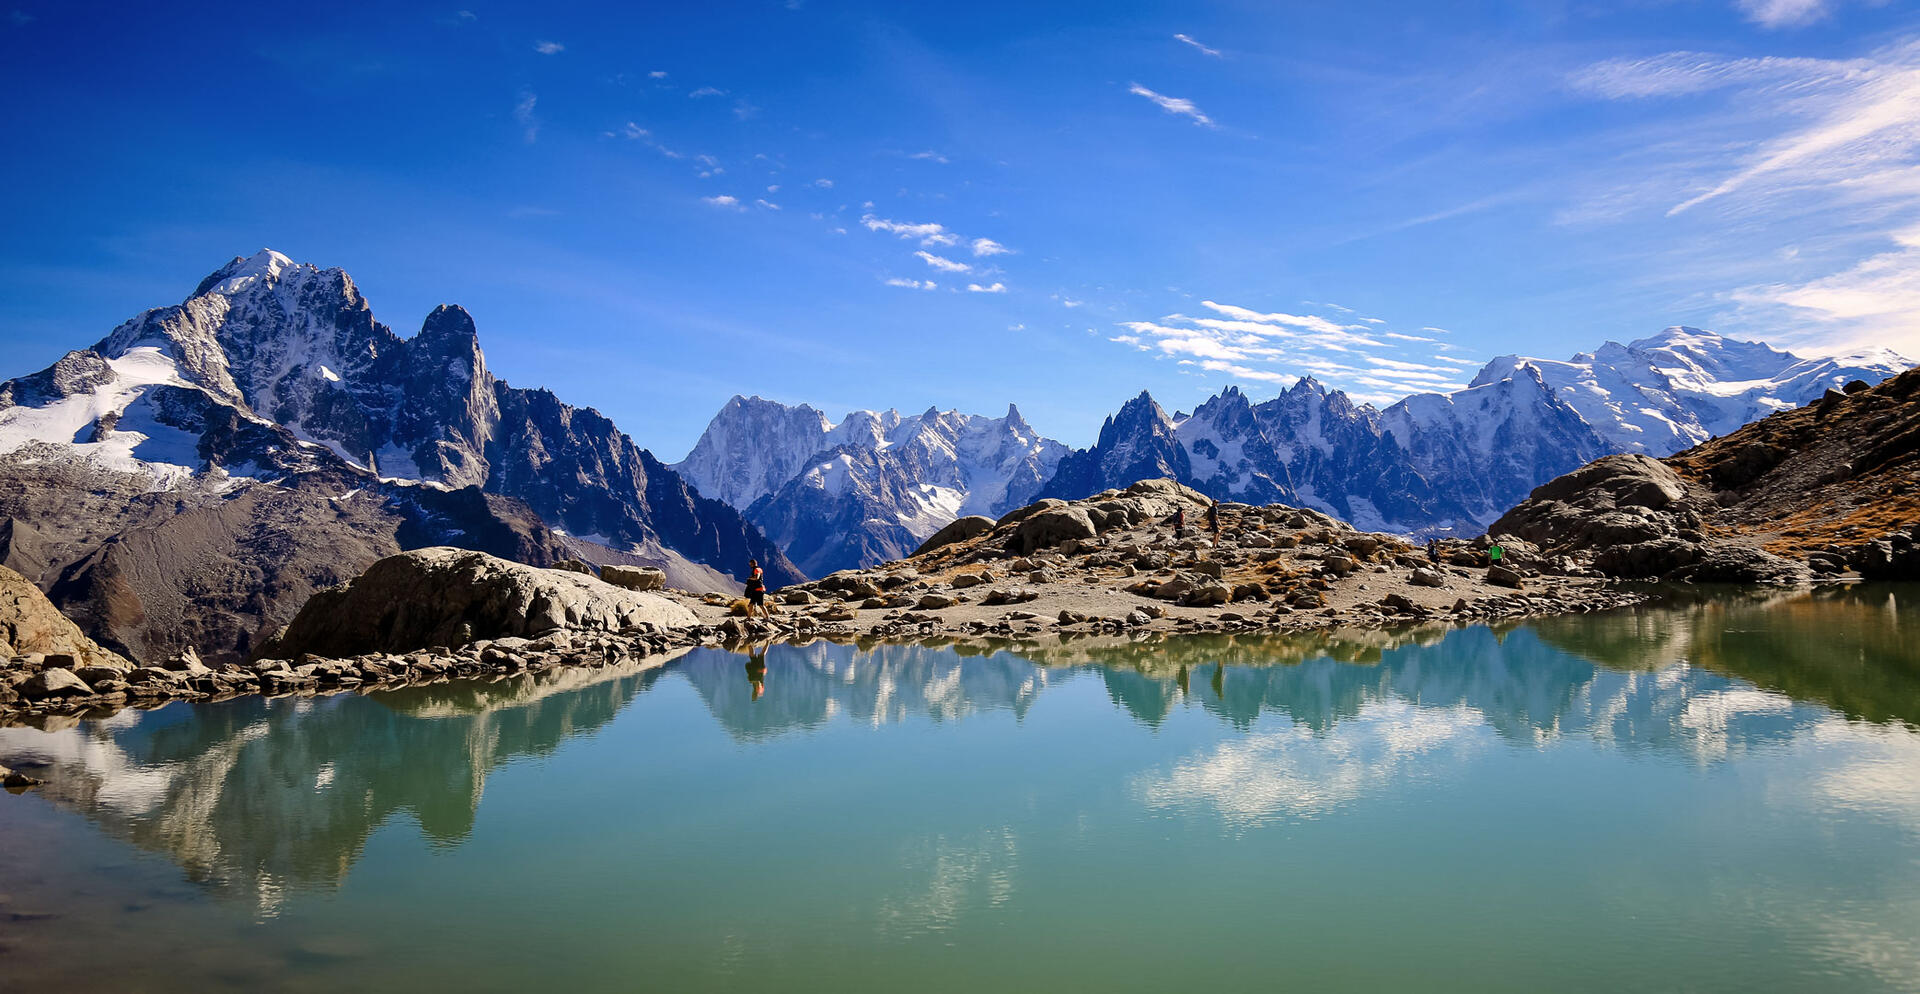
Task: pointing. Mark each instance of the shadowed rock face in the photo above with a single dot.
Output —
(29, 623)
(449, 597)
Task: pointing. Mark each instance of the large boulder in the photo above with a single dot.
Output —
(1894, 557)
(445, 596)
(634, 577)
(971, 526)
(1049, 528)
(1631, 516)
(29, 624)
(1726, 562)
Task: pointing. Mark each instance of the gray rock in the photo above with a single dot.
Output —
(1427, 578)
(54, 682)
(447, 596)
(634, 577)
(960, 530)
(1208, 595)
(574, 566)
(1893, 557)
(1503, 576)
(1050, 527)
(1725, 562)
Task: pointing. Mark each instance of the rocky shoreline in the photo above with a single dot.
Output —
(1135, 565)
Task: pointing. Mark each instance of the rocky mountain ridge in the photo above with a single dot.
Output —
(267, 437)
(1814, 491)
(871, 487)
(1452, 462)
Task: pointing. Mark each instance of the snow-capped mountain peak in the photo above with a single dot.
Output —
(876, 483)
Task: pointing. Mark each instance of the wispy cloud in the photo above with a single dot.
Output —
(995, 287)
(767, 204)
(549, 47)
(911, 284)
(725, 200)
(523, 116)
(987, 246)
(1784, 13)
(929, 156)
(657, 74)
(1204, 50)
(928, 232)
(823, 183)
(942, 263)
(707, 91)
(1173, 105)
(1872, 303)
(1824, 165)
(1277, 347)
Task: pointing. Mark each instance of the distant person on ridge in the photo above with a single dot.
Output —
(1213, 518)
(1433, 551)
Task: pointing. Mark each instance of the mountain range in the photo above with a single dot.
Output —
(873, 486)
(194, 475)
(870, 488)
(272, 387)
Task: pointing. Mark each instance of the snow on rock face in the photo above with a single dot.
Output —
(1674, 390)
(1460, 459)
(875, 484)
(273, 366)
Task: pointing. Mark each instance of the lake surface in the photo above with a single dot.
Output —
(1721, 795)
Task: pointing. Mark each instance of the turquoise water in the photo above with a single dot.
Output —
(1722, 795)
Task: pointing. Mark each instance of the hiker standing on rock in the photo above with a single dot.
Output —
(1213, 519)
(757, 591)
(1494, 552)
(1433, 551)
(1179, 518)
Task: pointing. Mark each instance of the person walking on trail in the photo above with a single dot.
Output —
(1433, 551)
(1179, 517)
(1494, 552)
(1213, 519)
(757, 591)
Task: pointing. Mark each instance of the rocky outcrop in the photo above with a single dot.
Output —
(634, 577)
(30, 625)
(962, 529)
(1120, 562)
(451, 597)
(1807, 492)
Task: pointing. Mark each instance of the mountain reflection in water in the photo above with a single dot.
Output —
(258, 798)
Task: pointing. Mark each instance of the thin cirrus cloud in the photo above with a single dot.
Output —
(942, 263)
(987, 246)
(725, 200)
(1785, 13)
(1204, 50)
(995, 287)
(912, 284)
(1173, 105)
(1254, 345)
(549, 47)
(523, 116)
(1807, 138)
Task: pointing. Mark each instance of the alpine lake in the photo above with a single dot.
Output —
(1719, 792)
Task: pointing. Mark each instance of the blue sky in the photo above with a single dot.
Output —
(650, 208)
